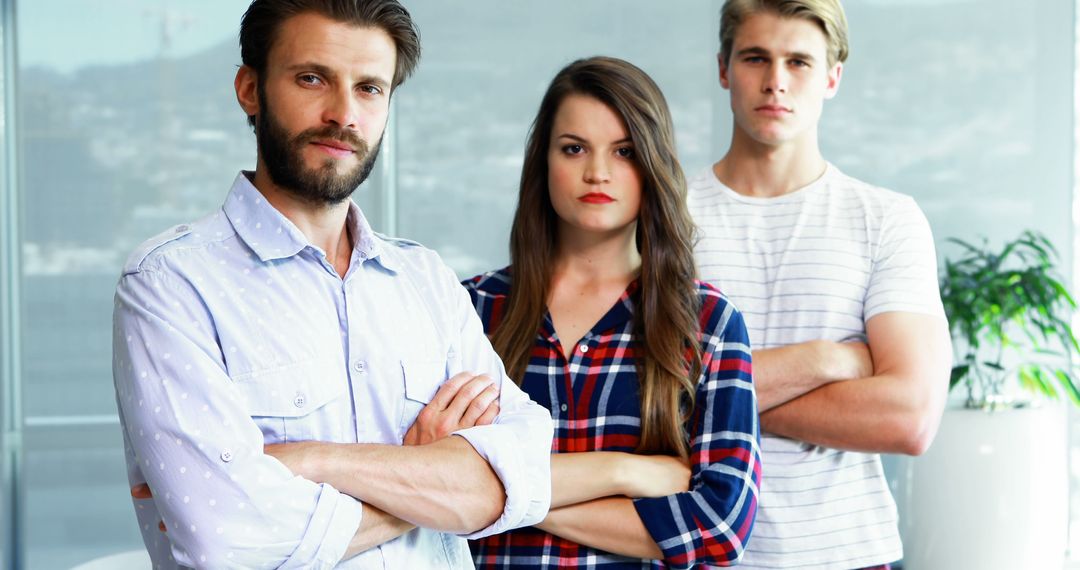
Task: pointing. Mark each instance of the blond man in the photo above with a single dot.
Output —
(837, 281)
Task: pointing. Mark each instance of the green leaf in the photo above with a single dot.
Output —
(1066, 381)
(958, 374)
(1027, 381)
(1008, 304)
(1044, 382)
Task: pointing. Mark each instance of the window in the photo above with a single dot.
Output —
(120, 136)
(124, 123)
(463, 119)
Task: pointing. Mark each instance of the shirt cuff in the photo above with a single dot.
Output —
(527, 487)
(333, 525)
(656, 515)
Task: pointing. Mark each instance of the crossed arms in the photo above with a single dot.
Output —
(643, 506)
(436, 481)
(190, 437)
(884, 396)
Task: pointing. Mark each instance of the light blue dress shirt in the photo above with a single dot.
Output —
(235, 331)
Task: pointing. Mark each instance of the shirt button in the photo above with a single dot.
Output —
(584, 348)
(359, 366)
(181, 229)
(563, 407)
(299, 401)
(226, 456)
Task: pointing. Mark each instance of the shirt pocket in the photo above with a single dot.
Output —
(422, 378)
(297, 402)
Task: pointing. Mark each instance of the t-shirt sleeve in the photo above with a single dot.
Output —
(904, 274)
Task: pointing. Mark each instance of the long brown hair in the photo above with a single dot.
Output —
(666, 324)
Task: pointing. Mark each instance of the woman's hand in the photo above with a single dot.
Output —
(653, 475)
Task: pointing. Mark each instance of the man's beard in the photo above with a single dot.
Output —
(282, 155)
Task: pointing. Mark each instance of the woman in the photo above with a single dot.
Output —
(646, 371)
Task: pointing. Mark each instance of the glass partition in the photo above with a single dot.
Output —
(125, 122)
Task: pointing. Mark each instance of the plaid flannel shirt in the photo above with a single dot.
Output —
(595, 406)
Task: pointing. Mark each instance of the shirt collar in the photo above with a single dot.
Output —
(617, 317)
(368, 244)
(273, 236)
(623, 309)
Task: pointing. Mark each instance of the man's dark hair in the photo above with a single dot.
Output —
(263, 19)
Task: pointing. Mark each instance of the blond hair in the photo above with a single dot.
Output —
(827, 14)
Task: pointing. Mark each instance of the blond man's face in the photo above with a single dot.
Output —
(779, 77)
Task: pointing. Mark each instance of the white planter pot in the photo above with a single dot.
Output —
(992, 492)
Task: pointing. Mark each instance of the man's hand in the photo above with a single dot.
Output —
(464, 401)
(142, 491)
(851, 360)
(784, 373)
(653, 476)
(895, 410)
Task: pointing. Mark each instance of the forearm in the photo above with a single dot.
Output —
(784, 373)
(580, 477)
(443, 485)
(376, 528)
(875, 415)
(610, 524)
(896, 410)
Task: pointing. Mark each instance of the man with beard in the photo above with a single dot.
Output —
(270, 358)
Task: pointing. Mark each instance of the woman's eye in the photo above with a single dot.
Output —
(625, 152)
(573, 149)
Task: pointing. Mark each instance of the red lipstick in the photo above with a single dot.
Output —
(596, 198)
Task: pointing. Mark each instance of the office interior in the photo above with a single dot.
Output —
(120, 120)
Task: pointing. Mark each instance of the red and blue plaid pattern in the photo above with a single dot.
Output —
(594, 402)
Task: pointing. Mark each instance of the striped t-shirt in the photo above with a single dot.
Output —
(817, 263)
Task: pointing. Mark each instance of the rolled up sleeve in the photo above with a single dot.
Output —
(518, 447)
(188, 435)
(518, 444)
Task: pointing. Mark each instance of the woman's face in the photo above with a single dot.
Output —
(594, 181)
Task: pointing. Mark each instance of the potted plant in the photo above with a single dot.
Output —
(1009, 306)
(992, 491)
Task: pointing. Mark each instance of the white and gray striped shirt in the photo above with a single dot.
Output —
(817, 263)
